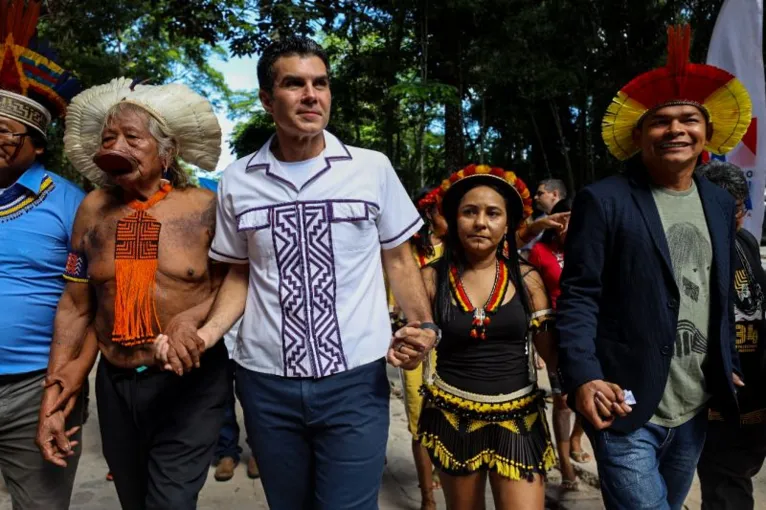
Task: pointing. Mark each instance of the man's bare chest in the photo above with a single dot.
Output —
(182, 242)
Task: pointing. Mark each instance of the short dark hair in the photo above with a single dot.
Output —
(555, 185)
(727, 176)
(287, 47)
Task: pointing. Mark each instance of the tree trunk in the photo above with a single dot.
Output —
(453, 137)
(354, 89)
(423, 121)
(420, 146)
(482, 128)
(454, 145)
(540, 142)
(394, 37)
(564, 145)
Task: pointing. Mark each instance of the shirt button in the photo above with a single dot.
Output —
(673, 304)
(665, 350)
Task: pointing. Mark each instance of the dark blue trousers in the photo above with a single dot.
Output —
(320, 443)
(228, 437)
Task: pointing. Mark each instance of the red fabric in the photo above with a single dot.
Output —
(543, 257)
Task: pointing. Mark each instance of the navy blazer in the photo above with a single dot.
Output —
(618, 309)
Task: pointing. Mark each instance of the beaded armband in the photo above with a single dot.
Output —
(542, 321)
(76, 268)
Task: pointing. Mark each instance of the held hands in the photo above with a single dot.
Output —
(69, 379)
(410, 345)
(180, 348)
(53, 440)
(601, 402)
(62, 389)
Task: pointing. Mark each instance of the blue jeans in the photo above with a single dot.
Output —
(320, 443)
(228, 437)
(652, 467)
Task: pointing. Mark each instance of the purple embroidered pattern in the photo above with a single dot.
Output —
(310, 333)
(321, 275)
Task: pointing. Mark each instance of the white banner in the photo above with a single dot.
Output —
(736, 46)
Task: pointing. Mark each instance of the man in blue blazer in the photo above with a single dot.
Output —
(645, 316)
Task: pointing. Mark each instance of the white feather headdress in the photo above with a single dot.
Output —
(186, 114)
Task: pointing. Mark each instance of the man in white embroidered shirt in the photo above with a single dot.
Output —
(305, 223)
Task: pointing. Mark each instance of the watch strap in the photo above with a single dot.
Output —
(433, 327)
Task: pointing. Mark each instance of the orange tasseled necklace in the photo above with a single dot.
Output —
(135, 263)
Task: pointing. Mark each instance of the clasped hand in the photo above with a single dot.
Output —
(600, 402)
(53, 439)
(409, 346)
(179, 348)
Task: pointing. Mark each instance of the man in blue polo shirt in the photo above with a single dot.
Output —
(37, 210)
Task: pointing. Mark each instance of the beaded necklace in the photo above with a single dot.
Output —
(481, 316)
(136, 250)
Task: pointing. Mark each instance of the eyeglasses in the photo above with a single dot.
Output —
(7, 136)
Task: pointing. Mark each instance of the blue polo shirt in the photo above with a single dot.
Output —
(36, 217)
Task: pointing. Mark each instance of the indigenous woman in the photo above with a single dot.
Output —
(427, 247)
(547, 256)
(483, 414)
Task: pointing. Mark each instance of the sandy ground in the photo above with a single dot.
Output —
(399, 488)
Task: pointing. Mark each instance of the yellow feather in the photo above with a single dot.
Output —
(617, 127)
(731, 113)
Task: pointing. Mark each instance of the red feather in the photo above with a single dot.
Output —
(678, 80)
(19, 18)
(9, 74)
(29, 23)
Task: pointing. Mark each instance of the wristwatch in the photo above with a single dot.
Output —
(436, 329)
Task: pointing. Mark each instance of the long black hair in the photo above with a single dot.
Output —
(454, 252)
(422, 239)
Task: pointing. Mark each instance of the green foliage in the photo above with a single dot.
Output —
(250, 135)
(434, 84)
(419, 92)
(156, 41)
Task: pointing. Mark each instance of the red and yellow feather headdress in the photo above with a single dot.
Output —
(717, 93)
(33, 88)
(454, 187)
(431, 199)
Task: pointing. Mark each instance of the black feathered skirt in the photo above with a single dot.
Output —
(466, 432)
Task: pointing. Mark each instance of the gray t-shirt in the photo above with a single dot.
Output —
(686, 231)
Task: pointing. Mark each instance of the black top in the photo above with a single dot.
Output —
(749, 287)
(494, 366)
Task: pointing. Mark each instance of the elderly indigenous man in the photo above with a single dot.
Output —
(37, 210)
(646, 312)
(138, 268)
(304, 224)
(735, 450)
